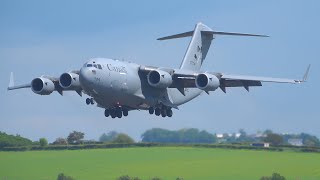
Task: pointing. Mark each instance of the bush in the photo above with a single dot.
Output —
(43, 142)
(108, 137)
(123, 138)
(13, 141)
(183, 136)
(60, 141)
(274, 139)
(155, 178)
(61, 176)
(310, 150)
(75, 137)
(126, 177)
(275, 176)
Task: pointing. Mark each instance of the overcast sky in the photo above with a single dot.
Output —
(52, 37)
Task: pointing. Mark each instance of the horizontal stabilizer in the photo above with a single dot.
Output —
(190, 33)
(181, 35)
(234, 34)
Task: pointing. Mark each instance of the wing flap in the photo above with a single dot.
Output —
(239, 83)
(257, 78)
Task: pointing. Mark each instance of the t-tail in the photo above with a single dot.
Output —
(198, 48)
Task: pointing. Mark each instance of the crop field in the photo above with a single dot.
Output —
(167, 163)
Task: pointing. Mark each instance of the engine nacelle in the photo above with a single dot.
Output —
(159, 79)
(69, 81)
(207, 82)
(42, 86)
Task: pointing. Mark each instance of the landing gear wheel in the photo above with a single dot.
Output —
(119, 114)
(157, 112)
(125, 112)
(169, 113)
(113, 113)
(88, 101)
(151, 110)
(106, 113)
(92, 101)
(163, 113)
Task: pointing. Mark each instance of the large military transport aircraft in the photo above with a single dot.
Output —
(119, 87)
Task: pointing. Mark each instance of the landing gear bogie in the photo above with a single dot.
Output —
(118, 112)
(89, 101)
(162, 110)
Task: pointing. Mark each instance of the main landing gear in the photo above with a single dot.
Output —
(162, 110)
(116, 112)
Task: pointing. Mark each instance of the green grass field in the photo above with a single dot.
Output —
(168, 163)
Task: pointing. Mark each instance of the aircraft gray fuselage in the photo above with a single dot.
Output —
(122, 83)
(119, 86)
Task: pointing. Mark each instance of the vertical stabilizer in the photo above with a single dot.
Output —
(198, 48)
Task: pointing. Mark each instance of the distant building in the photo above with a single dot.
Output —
(227, 135)
(219, 135)
(260, 135)
(237, 135)
(265, 145)
(295, 142)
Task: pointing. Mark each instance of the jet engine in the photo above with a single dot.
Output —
(159, 79)
(42, 86)
(207, 82)
(69, 81)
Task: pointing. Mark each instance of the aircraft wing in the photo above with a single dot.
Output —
(186, 79)
(57, 87)
(229, 80)
(229, 77)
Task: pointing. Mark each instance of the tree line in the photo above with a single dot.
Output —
(183, 136)
(158, 135)
(7, 140)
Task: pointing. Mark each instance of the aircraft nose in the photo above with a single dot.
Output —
(85, 76)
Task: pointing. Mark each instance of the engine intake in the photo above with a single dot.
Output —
(159, 79)
(207, 82)
(69, 81)
(42, 86)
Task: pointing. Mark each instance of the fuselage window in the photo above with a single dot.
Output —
(99, 66)
(89, 65)
(94, 65)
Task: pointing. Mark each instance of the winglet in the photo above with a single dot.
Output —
(305, 77)
(11, 82)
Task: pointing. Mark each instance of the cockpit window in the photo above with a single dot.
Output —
(98, 66)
